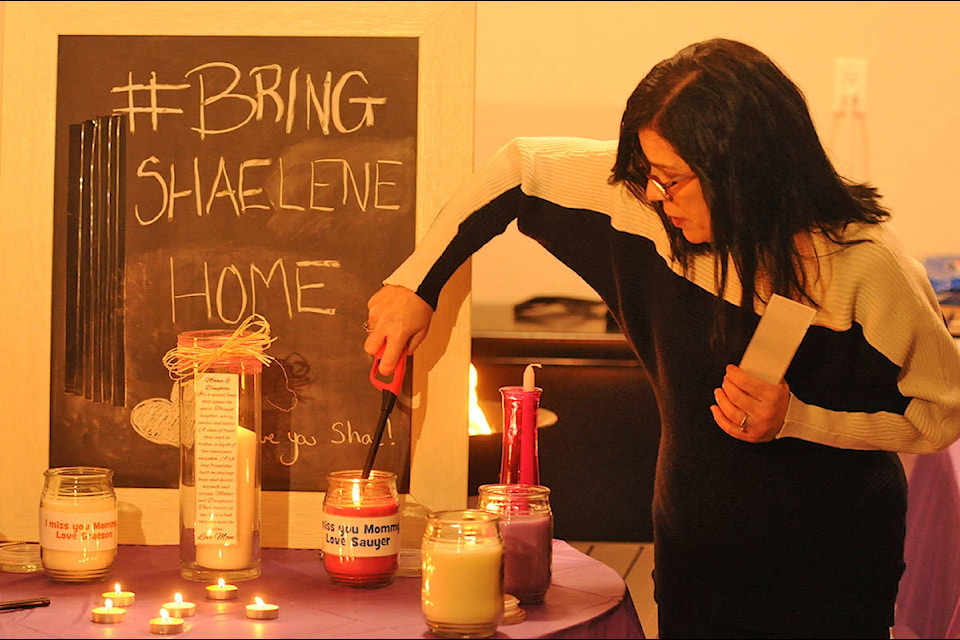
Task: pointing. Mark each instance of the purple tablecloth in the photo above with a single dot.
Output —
(587, 599)
(928, 605)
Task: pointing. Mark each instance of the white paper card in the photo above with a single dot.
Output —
(776, 339)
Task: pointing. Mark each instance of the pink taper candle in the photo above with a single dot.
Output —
(519, 464)
(529, 471)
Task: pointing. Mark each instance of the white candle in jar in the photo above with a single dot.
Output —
(462, 584)
(78, 534)
(238, 554)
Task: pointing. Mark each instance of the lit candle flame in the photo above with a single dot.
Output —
(259, 601)
(108, 603)
(164, 615)
(116, 588)
(221, 583)
(178, 598)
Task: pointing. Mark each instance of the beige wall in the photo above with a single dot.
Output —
(566, 68)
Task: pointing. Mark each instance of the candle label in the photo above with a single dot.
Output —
(361, 537)
(65, 531)
(216, 417)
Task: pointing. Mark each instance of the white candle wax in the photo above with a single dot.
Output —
(462, 584)
(239, 554)
(529, 376)
(78, 535)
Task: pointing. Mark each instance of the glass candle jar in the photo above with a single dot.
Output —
(78, 524)
(220, 426)
(361, 528)
(461, 592)
(520, 462)
(526, 524)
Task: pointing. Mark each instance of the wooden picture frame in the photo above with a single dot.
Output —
(28, 81)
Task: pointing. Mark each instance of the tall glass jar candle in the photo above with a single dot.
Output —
(361, 528)
(461, 593)
(78, 524)
(520, 461)
(220, 427)
(526, 523)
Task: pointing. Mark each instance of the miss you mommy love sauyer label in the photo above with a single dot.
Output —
(348, 536)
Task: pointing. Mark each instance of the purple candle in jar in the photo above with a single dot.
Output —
(528, 556)
(526, 525)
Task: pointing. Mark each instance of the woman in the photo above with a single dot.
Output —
(779, 509)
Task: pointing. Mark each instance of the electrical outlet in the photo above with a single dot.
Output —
(850, 86)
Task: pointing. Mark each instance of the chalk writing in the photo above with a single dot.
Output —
(231, 277)
(337, 174)
(326, 106)
(250, 175)
(294, 440)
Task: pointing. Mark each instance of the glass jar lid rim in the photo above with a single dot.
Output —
(514, 488)
(357, 474)
(79, 471)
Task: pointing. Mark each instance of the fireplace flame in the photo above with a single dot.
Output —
(478, 421)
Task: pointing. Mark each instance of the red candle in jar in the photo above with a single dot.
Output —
(519, 463)
(361, 528)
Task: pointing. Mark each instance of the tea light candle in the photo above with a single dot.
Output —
(120, 598)
(221, 591)
(108, 614)
(178, 608)
(165, 624)
(261, 610)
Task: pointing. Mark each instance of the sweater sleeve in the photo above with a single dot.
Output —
(889, 295)
(524, 173)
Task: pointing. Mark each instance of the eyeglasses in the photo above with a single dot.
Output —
(664, 188)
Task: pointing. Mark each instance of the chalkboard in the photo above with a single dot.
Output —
(199, 180)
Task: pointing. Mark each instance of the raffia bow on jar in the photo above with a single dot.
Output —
(198, 351)
(247, 342)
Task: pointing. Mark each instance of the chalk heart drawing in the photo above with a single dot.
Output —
(158, 419)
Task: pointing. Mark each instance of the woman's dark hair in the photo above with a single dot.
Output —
(745, 129)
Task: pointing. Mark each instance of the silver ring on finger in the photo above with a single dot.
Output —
(743, 422)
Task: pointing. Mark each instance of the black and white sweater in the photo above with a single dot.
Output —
(763, 534)
(878, 370)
